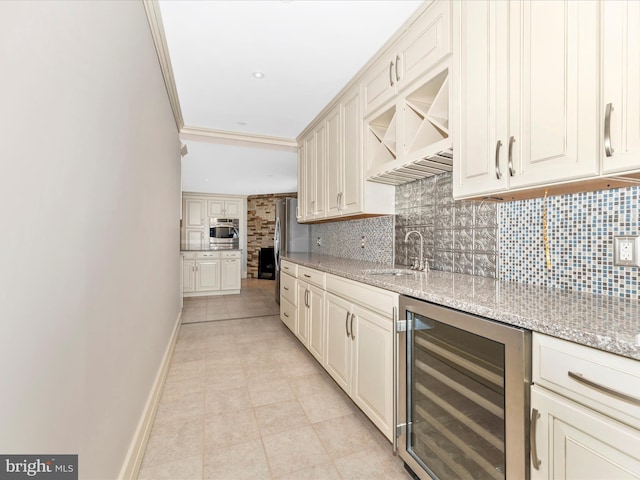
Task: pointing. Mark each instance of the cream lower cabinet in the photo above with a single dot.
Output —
(289, 297)
(210, 273)
(576, 443)
(359, 346)
(310, 330)
(585, 423)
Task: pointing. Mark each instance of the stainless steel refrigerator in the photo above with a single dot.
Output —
(290, 236)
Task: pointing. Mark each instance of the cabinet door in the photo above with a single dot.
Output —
(575, 443)
(480, 77)
(208, 275)
(621, 85)
(372, 385)
(352, 170)
(194, 213)
(215, 208)
(188, 275)
(380, 82)
(230, 274)
(302, 331)
(302, 186)
(337, 360)
(309, 179)
(232, 208)
(316, 323)
(194, 239)
(424, 44)
(553, 91)
(319, 175)
(334, 160)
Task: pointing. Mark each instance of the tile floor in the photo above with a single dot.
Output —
(244, 400)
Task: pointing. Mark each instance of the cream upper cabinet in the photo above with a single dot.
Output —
(308, 185)
(344, 157)
(319, 173)
(425, 42)
(335, 161)
(352, 182)
(620, 108)
(527, 76)
(195, 212)
(224, 208)
(302, 189)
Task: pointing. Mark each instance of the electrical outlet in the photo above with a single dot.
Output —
(362, 241)
(319, 242)
(626, 251)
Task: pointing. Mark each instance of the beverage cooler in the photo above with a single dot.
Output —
(463, 394)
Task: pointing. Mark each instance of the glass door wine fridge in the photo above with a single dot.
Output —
(463, 394)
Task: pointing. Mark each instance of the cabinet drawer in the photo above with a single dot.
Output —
(189, 256)
(234, 254)
(584, 375)
(290, 268)
(373, 298)
(288, 286)
(207, 255)
(312, 276)
(288, 314)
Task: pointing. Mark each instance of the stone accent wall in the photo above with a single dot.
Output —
(261, 221)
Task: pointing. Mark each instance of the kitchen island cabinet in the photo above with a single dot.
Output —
(211, 273)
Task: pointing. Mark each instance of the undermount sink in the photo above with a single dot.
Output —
(392, 272)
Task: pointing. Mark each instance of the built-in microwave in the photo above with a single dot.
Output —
(224, 233)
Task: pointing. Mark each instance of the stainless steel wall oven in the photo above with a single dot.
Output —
(224, 233)
(463, 394)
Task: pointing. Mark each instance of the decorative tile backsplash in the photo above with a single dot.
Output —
(458, 236)
(580, 230)
(344, 239)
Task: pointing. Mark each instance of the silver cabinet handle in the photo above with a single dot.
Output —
(397, 62)
(339, 200)
(608, 149)
(346, 325)
(306, 298)
(313, 207)
(353, 337)
(498, 172)
(285, 288)
(535, 461)
(390, 73)
(308, 276)
(286, 314)
(604, 389)
(512, 172)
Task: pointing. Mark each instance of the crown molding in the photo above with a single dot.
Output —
(152, 8)
(237, 138)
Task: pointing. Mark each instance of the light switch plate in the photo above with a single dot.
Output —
(626, 251)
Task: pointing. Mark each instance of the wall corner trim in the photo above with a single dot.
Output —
(152, 9)
(133, 460)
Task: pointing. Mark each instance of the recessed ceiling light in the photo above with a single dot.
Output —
(258, 75)
(242, 123)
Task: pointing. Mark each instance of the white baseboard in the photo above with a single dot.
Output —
(133, 460)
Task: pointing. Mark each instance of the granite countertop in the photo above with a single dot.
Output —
(607, 323)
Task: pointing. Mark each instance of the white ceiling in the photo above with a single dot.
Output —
(308, 51)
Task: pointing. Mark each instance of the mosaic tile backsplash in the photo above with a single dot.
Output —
(459, 236)
(344, 239)
(580, 230)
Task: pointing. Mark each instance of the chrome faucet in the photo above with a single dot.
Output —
(422, 264)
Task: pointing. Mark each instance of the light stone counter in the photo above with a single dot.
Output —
(607, 323)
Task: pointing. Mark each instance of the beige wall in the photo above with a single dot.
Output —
(89, 208)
